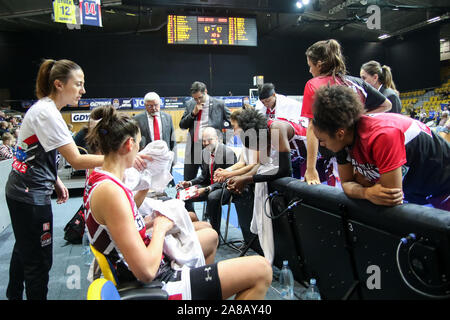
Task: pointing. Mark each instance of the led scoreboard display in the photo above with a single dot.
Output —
(211, 30)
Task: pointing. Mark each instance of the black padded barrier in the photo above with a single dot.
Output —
(353, 247)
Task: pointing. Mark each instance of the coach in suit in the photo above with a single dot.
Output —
(200, 112)
(153, 119)
(156, 125)
(214, 155)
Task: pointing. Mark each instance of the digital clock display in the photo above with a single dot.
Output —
(232, 31)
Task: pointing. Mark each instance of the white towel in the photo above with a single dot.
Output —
(181, 243)
(157, 174)
(261, 224)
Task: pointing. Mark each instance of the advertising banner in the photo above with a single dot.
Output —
(138, 103)
(232, 101)
(80, 117)
(122, 103)
(175, 102)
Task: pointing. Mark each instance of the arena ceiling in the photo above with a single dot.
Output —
(341, 19)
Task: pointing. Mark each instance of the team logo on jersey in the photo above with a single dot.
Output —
(21, 155)
(46, 226)
(46, 239)
(370, 171)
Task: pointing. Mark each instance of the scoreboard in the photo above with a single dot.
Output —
(232, 31)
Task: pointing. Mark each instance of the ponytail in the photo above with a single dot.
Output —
(51, 70)
(388, 82)
(111, 131)
(384, 73)
(43, 87)
(330, 53)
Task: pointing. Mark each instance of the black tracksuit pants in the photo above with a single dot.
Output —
(31, 258)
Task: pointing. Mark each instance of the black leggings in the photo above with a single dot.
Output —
(31, 258)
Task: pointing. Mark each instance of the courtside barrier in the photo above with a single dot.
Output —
(358, 250)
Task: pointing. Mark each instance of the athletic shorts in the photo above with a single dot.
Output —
(201, 283)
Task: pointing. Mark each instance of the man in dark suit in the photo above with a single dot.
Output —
(214, 155)
(200, 112)
(155, 124)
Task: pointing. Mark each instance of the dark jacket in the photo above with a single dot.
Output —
(168, 132)
(224, 158)
(218, 118)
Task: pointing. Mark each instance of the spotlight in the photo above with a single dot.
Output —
(299, 4)
(435, 19)
(305, 2)
(384, 36)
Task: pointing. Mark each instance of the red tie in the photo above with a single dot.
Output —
(211, 168)
(197, 125)
(155, 129)
(270, 113)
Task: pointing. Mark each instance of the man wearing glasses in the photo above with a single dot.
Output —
(200, 112)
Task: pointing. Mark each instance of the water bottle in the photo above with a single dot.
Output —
(286, 282)
(86, 253)
(312, 293)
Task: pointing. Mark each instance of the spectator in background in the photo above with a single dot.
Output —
(70, 127)
(4, 127)
(443, 119)
(15, 133)
(380, 77)
(7, 148)
(444, 124)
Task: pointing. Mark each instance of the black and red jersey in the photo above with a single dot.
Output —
(386, 141)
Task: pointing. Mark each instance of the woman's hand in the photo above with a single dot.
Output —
(236, 184)
(312, 176)
(62, 192)
(139, 162)
(220, 175)
(384, 196)
(162, 223)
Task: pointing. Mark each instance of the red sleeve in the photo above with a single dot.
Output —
(388, 149)
(308, 99)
